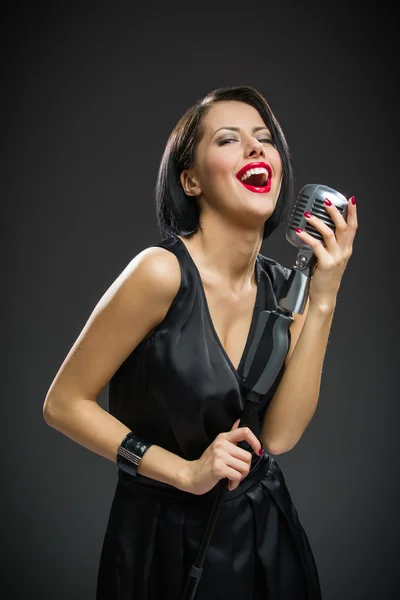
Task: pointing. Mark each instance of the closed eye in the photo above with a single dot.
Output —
(222, 142)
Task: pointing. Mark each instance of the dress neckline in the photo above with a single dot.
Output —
(236, 371)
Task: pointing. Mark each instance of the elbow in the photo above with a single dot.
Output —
(275, 450)
(270, 448)
(278, 448)
(62, 408)
(282, 444)
(51, 414)
(48, 413)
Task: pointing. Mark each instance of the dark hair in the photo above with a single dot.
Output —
(177, 213)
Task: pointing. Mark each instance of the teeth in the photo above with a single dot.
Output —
(254, 172)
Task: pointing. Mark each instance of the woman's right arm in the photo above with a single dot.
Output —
(135, 303)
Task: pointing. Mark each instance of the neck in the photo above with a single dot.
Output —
(226, 254)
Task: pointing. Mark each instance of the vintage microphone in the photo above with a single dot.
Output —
(311, 199)
(270, 343)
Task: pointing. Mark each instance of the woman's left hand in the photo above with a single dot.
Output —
(331, 259)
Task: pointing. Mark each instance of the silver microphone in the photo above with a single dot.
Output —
(311, 199)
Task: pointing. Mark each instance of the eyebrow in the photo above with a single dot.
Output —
(238, 129)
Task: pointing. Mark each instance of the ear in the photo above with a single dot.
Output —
(189, 183)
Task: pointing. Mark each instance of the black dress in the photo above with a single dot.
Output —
(179, 390)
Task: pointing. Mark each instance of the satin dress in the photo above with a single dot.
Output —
(179, 390)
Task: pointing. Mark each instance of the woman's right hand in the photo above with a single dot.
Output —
(222, 459)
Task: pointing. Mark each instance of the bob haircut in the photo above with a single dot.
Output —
(176, 212)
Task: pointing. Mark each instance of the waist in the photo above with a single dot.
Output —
(257, 472)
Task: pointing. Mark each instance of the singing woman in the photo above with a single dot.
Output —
(170, 336)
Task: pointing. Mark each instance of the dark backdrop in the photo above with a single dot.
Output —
(90, 95)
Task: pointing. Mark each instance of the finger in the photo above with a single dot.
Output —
(235, 425)
(242, 467)
(327, 233)
(232, 485)
(245, 433)
(238, 452)
(316, 246)
(232, 475)
(352, 220)
(336, 215)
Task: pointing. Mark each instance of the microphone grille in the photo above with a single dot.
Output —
(311, 199)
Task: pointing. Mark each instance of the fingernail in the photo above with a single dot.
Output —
(298, 230)
(353, 200)
(328, 202)
(260, 452)
(308, 215)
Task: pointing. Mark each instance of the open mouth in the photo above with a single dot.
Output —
(256, 177)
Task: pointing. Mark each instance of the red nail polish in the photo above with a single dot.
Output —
(260, 452)
(328, 202)
(298, 230)
(353, 200)
(307, 214)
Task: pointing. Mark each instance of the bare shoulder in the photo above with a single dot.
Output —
(134, 304)
(155, 272)
(145, 289)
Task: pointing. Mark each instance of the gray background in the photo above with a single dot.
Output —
(90, 95)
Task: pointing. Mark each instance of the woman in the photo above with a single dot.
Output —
(171, 336)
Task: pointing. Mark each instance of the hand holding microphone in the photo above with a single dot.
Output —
(323, 226)
(222, 459)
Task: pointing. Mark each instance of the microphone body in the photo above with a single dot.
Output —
(311, 198)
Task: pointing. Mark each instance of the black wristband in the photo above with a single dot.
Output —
(131, 452)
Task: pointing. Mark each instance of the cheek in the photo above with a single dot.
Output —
(221, 164)
(216, 167)
(276, 161)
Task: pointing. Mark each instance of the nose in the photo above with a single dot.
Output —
(255, 148)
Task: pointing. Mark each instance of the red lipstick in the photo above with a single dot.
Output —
(253, 188)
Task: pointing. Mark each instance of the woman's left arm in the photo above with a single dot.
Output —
(295, 400)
